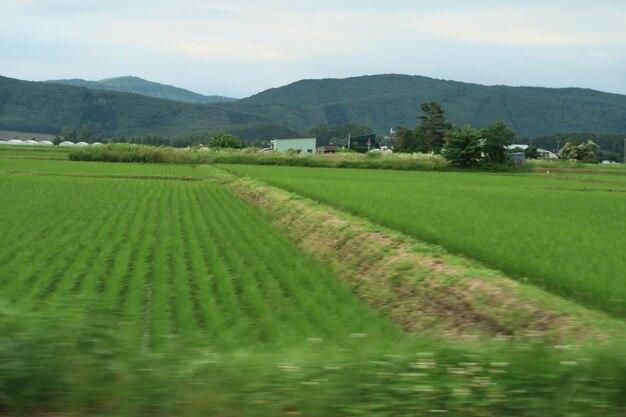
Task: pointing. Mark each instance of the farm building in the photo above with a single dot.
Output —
(543, 154)
(304, 145)
(67, 143)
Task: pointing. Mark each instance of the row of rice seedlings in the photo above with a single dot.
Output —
(272, 261)
(115, 286)
(220, 293)
(136, 292)
(83, 274)
(208, 316)
(124, 284)
(184, 320)
(330, 313)
(20, 273)
(281, 317)
(161, 307)
(251, 300)
(216, 303)
(56, 269)
(28, 223)
(225, 275)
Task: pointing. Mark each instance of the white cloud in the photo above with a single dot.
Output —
(279, 41)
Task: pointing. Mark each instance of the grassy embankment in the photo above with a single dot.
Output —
(556, 231)
(419, 285)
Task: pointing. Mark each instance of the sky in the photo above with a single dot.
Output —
(238, 48)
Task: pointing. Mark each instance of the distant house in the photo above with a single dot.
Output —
(543, 154)
(303, 145)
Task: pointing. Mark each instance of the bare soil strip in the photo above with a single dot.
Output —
(420, 286)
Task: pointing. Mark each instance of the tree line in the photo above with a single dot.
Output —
(461, 145)
(470, 147)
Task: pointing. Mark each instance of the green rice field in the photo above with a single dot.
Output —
(34, 152)
(564, 232)
(150, 289)
(179, 259)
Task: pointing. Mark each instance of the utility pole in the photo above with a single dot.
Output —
(624, 160)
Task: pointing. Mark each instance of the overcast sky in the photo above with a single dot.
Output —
(241, 47)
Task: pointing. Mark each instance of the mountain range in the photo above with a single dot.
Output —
(378, 101)
(130, 84)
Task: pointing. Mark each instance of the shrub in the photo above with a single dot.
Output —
(225, 141)
(462, 147)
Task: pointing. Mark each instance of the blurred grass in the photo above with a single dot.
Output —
(81, 366)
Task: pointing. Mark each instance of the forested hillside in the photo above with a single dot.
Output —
(385, 101)
(146, 88)
(380, 102)
(45, 108)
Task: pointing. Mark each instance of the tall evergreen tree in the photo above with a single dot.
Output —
(431, 132)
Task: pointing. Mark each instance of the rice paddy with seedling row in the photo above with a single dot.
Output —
(150, 289)
(175, 259)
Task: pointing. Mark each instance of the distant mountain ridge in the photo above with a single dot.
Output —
(131, 84)
(378, 101)
(390, 100)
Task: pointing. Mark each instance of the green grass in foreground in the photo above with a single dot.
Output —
(559, 231)
(70, 366)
